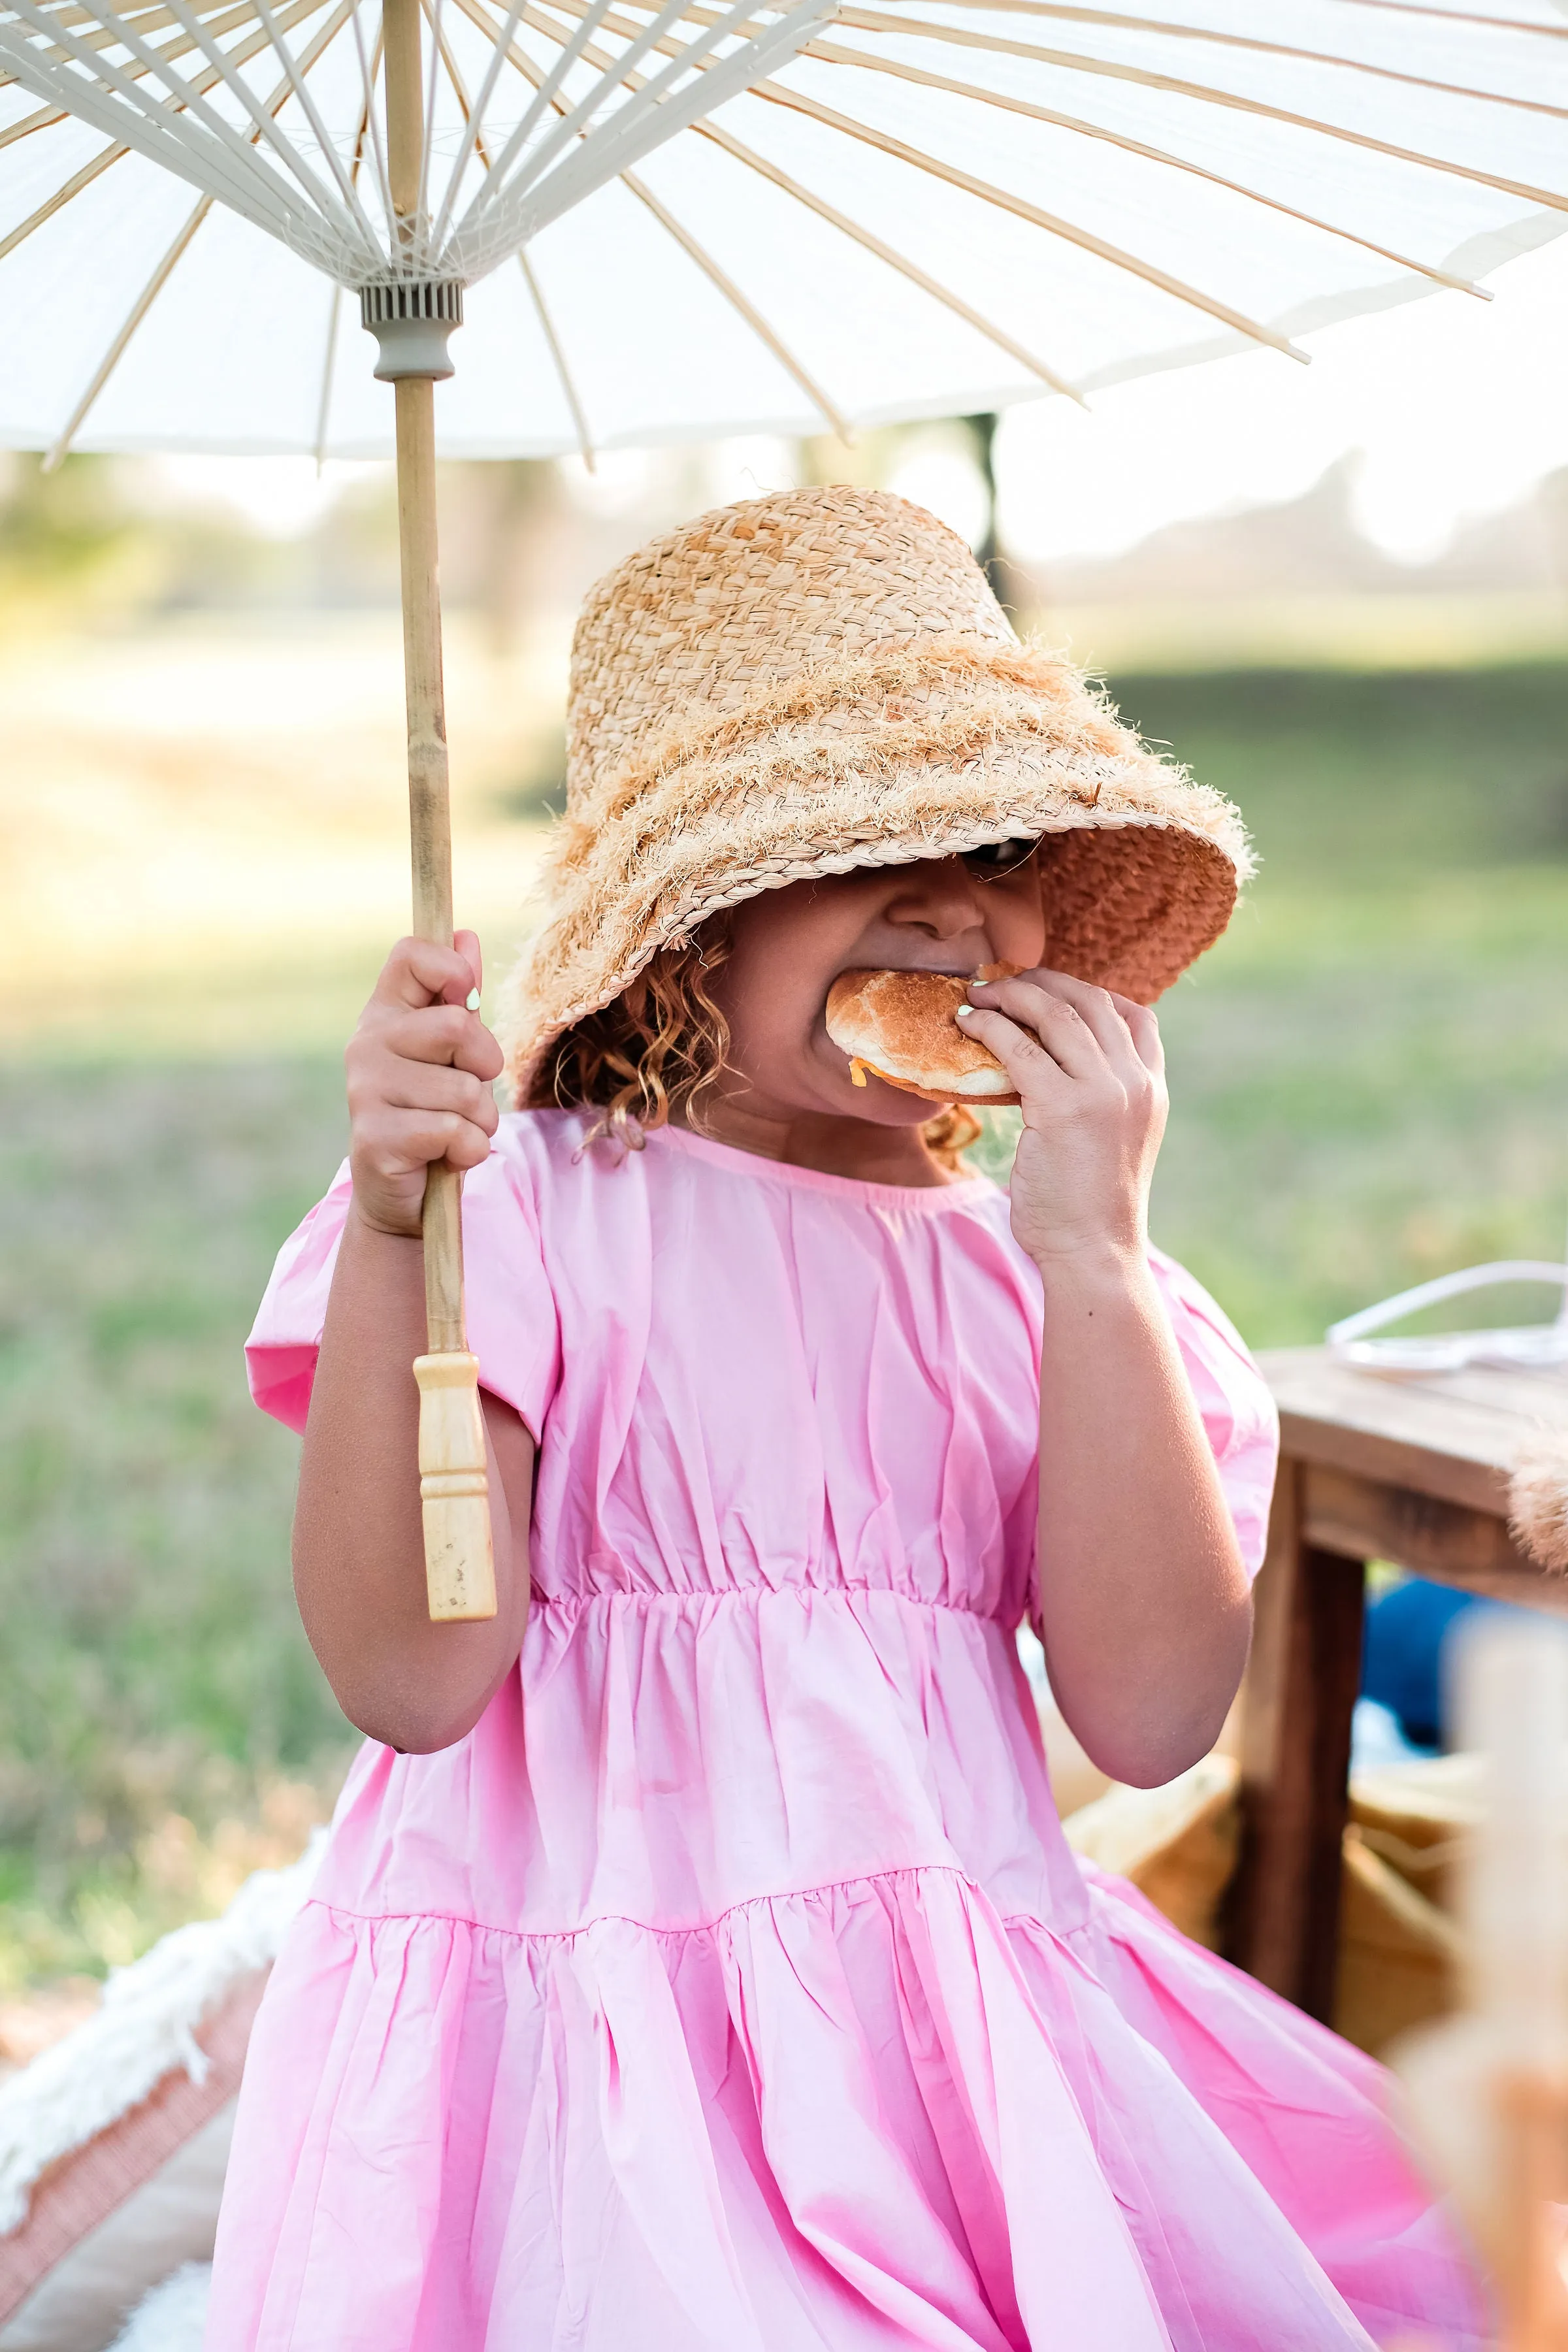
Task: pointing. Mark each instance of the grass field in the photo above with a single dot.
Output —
(1370, 1079)
(1370, 1076)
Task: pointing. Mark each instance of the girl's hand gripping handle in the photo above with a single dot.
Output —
(420, 1066)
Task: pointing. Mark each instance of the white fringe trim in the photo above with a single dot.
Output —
(173, 2317)
(144, 2030)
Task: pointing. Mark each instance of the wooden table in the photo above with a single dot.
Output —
(1413, 1471)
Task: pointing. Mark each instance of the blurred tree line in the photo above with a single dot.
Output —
(104, 541)
(100, 541)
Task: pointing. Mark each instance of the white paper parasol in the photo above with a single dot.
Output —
(939, 206)
(727, 217)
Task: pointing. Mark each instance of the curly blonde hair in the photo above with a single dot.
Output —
(660, 1046)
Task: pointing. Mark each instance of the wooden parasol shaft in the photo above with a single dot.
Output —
(459, 1570)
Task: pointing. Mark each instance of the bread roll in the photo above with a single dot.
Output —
(900, 1025)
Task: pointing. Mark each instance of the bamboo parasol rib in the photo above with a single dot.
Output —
(159, 275)
(150, 20)
(241, 55)
(441, 49)
(31, 122)
(748, 310)
(1010, 104)
(1070, 61)
(558, 358)
(865, 20)
(100, 164)
(51, 204)
(335, 306)
(117, 349)
(976, 187)
(1218, 39)
(1461, 16)
(1074, 61)
(833, 416)
(894, 259)
(1007, 201)
(329, 361)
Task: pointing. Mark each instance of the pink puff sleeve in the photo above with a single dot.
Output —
(513, 1327)
(1238, 1413)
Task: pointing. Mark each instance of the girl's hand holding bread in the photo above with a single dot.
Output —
(1145, 1605)
(1090, 1073)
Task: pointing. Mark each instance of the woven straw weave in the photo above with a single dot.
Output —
(821, 681)
(758, 593)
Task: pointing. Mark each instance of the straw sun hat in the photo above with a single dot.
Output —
(821, 680)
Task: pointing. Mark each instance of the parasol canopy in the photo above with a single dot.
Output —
(923, 208)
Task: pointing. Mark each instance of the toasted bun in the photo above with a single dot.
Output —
(901, 1026)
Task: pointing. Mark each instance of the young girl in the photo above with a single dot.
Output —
(697, 1964)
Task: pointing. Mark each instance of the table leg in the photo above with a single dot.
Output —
(1301, 1692)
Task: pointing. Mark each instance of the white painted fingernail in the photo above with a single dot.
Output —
(964, 1012)
(472, 1000)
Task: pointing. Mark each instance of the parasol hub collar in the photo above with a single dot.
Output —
(411, 320)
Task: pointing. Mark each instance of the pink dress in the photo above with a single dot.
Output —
(731, 1987)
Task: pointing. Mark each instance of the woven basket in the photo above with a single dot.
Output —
(1178, 1844)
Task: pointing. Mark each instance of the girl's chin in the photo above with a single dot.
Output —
(883, 1106)
(875, 1104)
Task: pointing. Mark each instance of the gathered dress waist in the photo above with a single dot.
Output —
(665, 1756)
(630, 1589)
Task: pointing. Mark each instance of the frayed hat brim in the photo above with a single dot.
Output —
(918, 750)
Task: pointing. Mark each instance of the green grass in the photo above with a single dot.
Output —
(1369, 1076)
(152, 1671)
(1345, 775)
(1370, 1088)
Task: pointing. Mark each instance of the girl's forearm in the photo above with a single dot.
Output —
(359, 1558)
(1145, 1605)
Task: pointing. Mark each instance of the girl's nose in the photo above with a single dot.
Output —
(938, 896)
